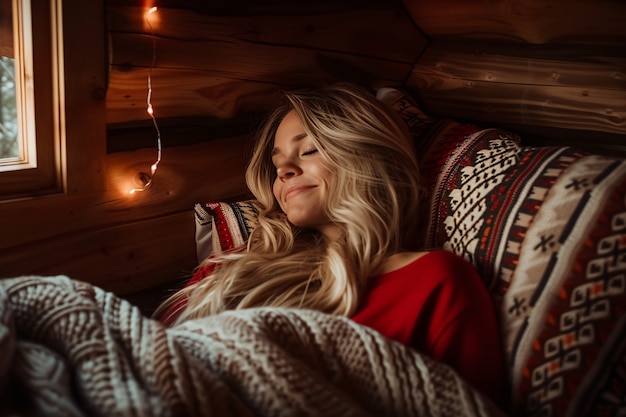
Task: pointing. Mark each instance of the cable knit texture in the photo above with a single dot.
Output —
(72, 349)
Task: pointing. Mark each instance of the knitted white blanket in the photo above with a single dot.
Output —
(71, 349)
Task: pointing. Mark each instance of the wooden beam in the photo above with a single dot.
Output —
(537, 22)
(124, 258)
(227, 66)
(358, 31)
(186, 175)
(85, 94)
(183, 92)
(259, 8)
(585, 92)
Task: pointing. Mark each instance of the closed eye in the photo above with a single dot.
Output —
(311, 152)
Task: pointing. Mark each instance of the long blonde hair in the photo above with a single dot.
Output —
(374, 196)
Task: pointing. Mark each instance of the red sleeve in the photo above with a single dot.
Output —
(171, 314)
(468, 340)
(462, 330)
(439, 306)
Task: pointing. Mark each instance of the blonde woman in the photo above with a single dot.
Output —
(337, 181)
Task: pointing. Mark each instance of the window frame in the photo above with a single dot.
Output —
(70, 114)
(40, 66)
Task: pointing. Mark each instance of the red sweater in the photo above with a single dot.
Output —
(439, 306)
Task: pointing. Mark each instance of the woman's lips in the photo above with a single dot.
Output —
(295, 190)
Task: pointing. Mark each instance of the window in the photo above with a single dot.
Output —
(30, 116)
(10, 148)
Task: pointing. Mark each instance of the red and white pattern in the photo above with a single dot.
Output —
(228, 224)
(546, 228)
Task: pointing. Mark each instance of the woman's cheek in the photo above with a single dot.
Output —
(277, 191)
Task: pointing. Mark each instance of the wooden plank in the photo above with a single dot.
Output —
(535, 21)
(226, 94)
(130, 136)
(227, 66)
(582, 67)
(519, 85)
(357, 31)
(239, 59)
(186, 175)
(553, 106)
(181, 93)
(123, 259)
(85, 94)
(257, 8)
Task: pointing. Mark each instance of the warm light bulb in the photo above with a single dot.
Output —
(144, 179)
(152, 9)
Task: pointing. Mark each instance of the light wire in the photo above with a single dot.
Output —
(150, 108)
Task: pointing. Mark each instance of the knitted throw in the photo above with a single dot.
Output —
(68, 348)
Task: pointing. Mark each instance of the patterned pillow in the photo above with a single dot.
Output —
(546, 229)
(409, 111)
(221, 226)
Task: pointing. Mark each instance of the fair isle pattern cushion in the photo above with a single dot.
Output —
(546, 228)
(461, 154)
(221, 226)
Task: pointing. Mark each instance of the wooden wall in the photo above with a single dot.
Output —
(124, 243)
(555, 71)
(546, 68)
(228, 65)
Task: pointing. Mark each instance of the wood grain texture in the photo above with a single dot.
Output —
(84, 99)
(124, 242)
(225, 66)
(534, 22)
(124, 259)
(6, 29)
(519, 87)
(217, 171)
(183, 92)
(356, 31)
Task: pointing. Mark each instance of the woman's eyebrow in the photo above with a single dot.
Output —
(296, 138)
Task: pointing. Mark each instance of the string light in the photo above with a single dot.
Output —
(147, 179)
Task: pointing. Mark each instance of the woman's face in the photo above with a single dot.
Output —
(301, 185)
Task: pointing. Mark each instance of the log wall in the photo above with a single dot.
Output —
(225, 66)
(124, 243)
(556, 70)
(553, 70)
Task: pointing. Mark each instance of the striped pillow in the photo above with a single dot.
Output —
(221, 226)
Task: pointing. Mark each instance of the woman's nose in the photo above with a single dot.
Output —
(288, 170)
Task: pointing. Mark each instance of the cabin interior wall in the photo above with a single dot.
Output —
(554, 72)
